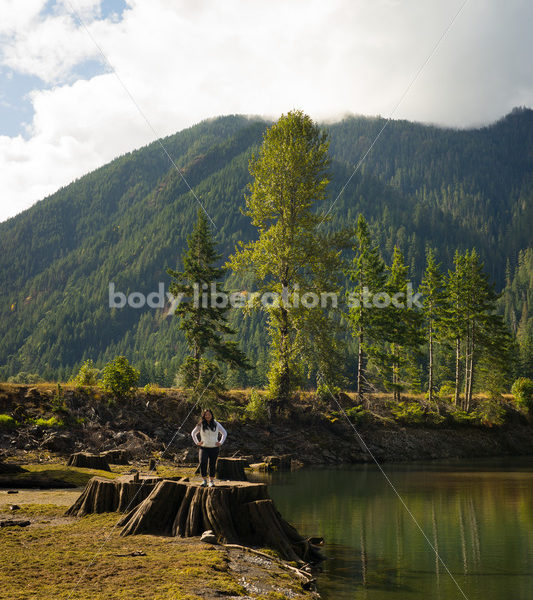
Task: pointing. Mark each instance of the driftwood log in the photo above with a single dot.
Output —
(231, 468)
(7, 468)
(280, 462)
(88, 461)
(237, 512)
(111, 495)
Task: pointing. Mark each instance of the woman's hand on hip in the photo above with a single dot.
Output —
(218, 444)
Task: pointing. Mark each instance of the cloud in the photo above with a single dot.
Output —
(184, 61)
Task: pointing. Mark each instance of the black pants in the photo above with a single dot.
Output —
(210, 454)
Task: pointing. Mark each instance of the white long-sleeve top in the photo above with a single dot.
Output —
(208, 436)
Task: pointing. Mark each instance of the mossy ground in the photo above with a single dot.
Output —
(64, 558)
(78, 559)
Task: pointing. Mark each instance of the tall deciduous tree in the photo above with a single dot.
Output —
(292, 254)
(202, 319)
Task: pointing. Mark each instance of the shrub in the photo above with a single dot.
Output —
(409, 413)
(257, 407)
(210, 381)
(87, 375)
(522, 390)
(24, 377)
(7, 422)
(462, 417)
(446, 389)
(119, 377)
(490, 412)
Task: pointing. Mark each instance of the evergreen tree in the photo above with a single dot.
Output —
(403, 330)
(454, 319)
(367, 272)
(203, 319)
(434, 293)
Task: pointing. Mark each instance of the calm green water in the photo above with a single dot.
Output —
(478, 515)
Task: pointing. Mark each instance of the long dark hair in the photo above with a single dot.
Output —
(205, 425)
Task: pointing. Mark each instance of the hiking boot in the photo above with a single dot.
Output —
(204, 483)
(211, 484)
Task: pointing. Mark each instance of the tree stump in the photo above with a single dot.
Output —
(88, 461)
(111, 495)
(8, 468)
(117, 457)
(231, 468)
(237, 512)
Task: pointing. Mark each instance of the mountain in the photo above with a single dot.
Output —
(126, 222)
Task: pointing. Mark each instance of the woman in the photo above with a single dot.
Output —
(205, 435)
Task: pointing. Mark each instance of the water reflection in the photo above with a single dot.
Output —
(478, 516)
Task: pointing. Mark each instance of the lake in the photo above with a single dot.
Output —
(477, 515)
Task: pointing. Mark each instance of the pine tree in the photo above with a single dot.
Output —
(202, 319)
(454, 319)
(434, 293)
(403, 330)
(367, 272)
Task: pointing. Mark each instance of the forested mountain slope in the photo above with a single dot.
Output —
(128, 221)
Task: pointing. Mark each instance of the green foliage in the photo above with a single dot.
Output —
(425, 186)
(461, 417)
(489, 412)
(7, 422)
(87, 375)
(24, 377)
(201, 375)
(52, 422)
(292, 251)
(205, 325)
(522, 391)
(119, 377)
(257, 407)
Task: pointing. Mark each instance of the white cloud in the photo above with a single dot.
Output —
(184, 61)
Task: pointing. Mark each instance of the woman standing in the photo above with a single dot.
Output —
(205, 435)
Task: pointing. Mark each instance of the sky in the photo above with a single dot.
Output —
(84, 81)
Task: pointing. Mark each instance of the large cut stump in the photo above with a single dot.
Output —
(111, 495)
(231, 468)
(117, 457)
(8, 468)
(88, 461)
(237, 512)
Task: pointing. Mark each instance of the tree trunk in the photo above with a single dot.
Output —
(231, 468)
(360, 395)
(88, 461)
(237, 513)
(430, 374)
(457, 365)
(111, 495)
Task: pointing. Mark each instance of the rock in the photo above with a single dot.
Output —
(14, 507)
(12, 491)
(209, 537)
